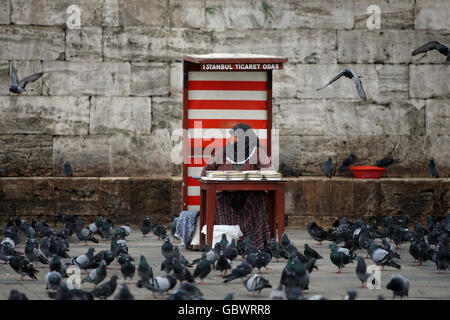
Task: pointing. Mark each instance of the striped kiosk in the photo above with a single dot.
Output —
(220, 91)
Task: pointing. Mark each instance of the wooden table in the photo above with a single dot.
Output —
(209, 189)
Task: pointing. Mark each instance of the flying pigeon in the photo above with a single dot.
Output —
(68, 169)
(256, 283)
(432, 168)
(349, 73)
(433, 45)
(17, 86)
(328, 167)
(399, 286)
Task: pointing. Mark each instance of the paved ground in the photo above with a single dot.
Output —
(425, 283)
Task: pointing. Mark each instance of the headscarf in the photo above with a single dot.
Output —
(241, 151)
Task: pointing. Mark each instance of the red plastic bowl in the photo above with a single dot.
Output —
(367, 172)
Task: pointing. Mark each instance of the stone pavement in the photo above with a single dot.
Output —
(425, 283)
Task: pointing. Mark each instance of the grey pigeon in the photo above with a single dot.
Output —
(351, 295)
(387, 161)
(432, 168)
(97, 275)
(84, 261)
(256, 283)
(278, 293)
(222, 264)
(349, 73)
(159, 284)
(33, 254)
(146, 226)
(17, 295)
(433, 45)
(328, 167)
(56, 264)
(84, 234)
(361, 271)
(128, 269)
(106, 289)
(382, 257)
(145, 271)
(243, 269)
(348, 161)
(310, 252)
(68, 169)
(203, 268)
(17, 86)
(53, 281)
(399, 286)
(124, 293)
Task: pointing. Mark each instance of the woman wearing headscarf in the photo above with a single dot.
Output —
(248, 209)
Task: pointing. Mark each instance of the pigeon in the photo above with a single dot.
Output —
(181, 272)
(256, 283)
(107, 229)
(106, 289)
(328, 167)
(68, 169)
(340, 256)
(262, 260)
(56, 264)
(399, 286)
(145, 271)
(146, 226)
(128, 269)
(351, 295)
(53, 281)
(194, 292)
(84, 234)
(202, 269)
(287, 171)
(104, 255)
(278, 293)
(433, 45)
(97, 275)
(224, 243)
(231, 251)
(173, 228)
(432, 168)
(86, 260)
(124, 293)
(349, 73)
(387, 161)
(382, 257)
(167, 248)
(361, 271)
(311, 264)
(295, 278)
(64, 293)
(442, 259)
(17, 86)
(158, 284)
(310, 252)
(241, 270)
(276, 250)
(222, 264)
(33, 254)
(285, 242)
(17, 295)
(390, 248)
(159, 231)
(316, 232)
(348, 162)
(22, 266)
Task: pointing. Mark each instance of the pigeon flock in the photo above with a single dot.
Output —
(350, 244)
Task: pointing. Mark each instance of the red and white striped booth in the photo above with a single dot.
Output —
(220, 91)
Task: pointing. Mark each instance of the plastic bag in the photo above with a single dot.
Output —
(231, 232)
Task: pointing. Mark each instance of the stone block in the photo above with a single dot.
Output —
(437, 114)
(425, 81)
(176, 79)
(84, 44)
(394, 14)
(290, 151)
(125, 115)
(432, 15)
(167, 113)
(84, 78)
(284, 81)
(149, 79)
(31, 43)
(187, 13)
(5, 13)
(26, 155)
(184, 41)
(143, 13)
(44, 115)
(115, 199)
(233, 14)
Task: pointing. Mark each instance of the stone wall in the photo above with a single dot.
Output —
(110, 98)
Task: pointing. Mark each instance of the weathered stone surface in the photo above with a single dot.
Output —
(324, 14)
(432, 14)
(176, 79)
(23, 69)
(31, 43)
(176, 202)
(141, 155)
(382, 83)
(44, 115)
(84, 44)
(438, 147)
(151, 197)
(289, 152)
(115, 199)
(143, 13)
(305, 46)
(16, 189)
(89, 155)
(54, 12)
(184, 41)
(187, 13)
(110, 13)
(366, 198)
(426, 81)
(394, 14)
(284, 81)
(5, 13)
(437, 117)
(300, 116)
(399, 117)
(86, 78)
(149, 79)
(134, 43)
(386, 46)
(26, 155)
(128, 115)
(167, 113)
(233, 14)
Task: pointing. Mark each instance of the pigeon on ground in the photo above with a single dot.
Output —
(192, 289)
(311, 264)
(33, 254)
(328, 167)
(106, 289)
(146, 226)
(167, 248)
(381, 257)
(310, 252)
(316, 232)
(145, 271)
(84, 234)
(432, 168)
(97, 275)
(390, 248)
(160, 284)
(399, 286)
(222, 264)
(276, 250)
(231, 251)
(53, 281)
(278, 293)
(64, 293)
(181, 272)
(68, 169)
(22, 266)
(128, 269)
(351, 295)
(433, 45)
(17, 295)
(104, 255)
(124, 293)
(349, 73)
(159, 231)
(243, 269)
(256, 283)
(262, 260)
(295, 278)
(56, 264)
(340, 256)
(202, 269)
(17, 86)
(361, 271)
(224, 243)
(84, 261)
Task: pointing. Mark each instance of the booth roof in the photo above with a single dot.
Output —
(234, 57)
